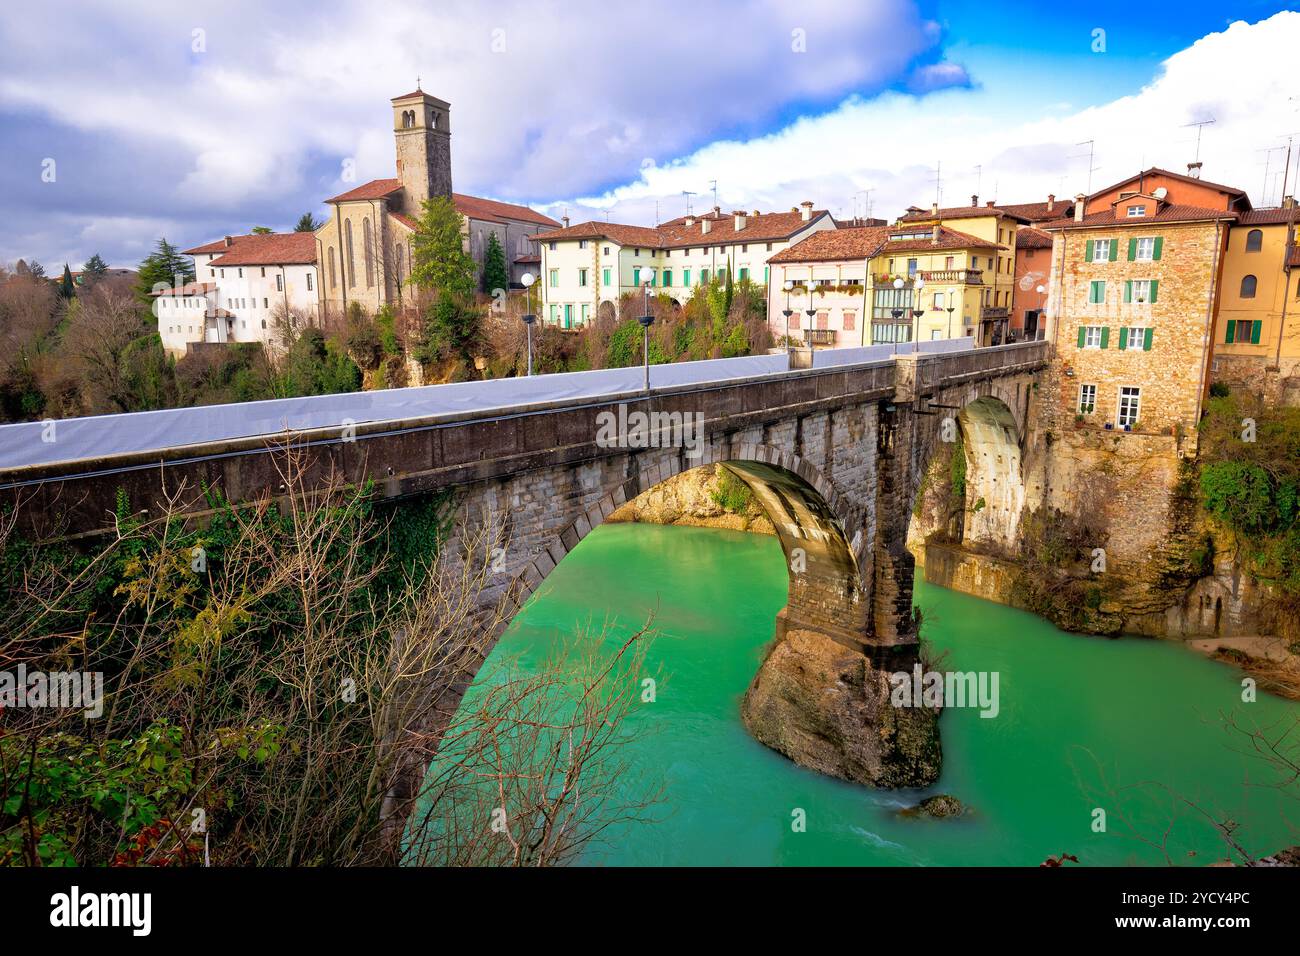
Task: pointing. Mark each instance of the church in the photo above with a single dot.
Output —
(363, 252)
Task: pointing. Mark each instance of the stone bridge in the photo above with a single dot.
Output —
(834, 454)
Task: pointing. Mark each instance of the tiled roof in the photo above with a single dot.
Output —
(865, 242)
(375, 189)
(276, 248)
(915, 214)
(1157, 171)
(405, 220)
(1170, 213)
(1038, 211)
(1275, 216)
(833, 245)
(765, 227)
(490, 210)
(211, 247)
(189, 288)
(1031, 238)
(617, 232)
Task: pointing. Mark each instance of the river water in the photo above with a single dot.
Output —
(1134, 727)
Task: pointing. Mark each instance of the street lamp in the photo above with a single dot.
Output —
(527, 280)
(646, 321)
(1039, 330)
(951, 309)
(787, 312)
(917, 312)
(896, 312)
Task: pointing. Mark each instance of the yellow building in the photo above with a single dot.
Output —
(874, 285)
(1257, 328)
(996, 226)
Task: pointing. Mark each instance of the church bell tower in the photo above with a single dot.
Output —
(422, 129)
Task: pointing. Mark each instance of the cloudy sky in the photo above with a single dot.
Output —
(125, 122)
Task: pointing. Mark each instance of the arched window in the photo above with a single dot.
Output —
(398, 266)
(1254, 240)
(349, 263)
(1248, 284)
(333, 278)
(368, 238)
(408, 119)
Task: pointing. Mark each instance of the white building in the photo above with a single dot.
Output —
(241, 282)
(585, 266)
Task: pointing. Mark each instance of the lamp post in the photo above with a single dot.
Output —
(917, 312)
(1041, 290)
(527, 280)
(950, 310)
(646, 321)
(897, 312)
(787, 312)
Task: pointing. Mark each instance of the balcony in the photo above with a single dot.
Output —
(819, 337)
(962, 276)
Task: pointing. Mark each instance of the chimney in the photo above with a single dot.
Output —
(565, 220)
(1080, 201)
(740, 219)
(690, 220)
(1288, 202)
(757, 213)
(934, 234)
(705, 226)
(717, 212)
(934, 208)
(974, 199)
(806, 208)
(1051, 201)
(989, 204)
(230, 241)
(1194, 170)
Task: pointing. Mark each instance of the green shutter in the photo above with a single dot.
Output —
(1132, 248)
(1146, 341)
(1255, 328)
(1155, 287)
(1087, 251)
(1105, 336)
(1128, 290)
(1159, 244)
(1227, 337)
(1114, 250)
(1083, 331)
(1123, 339)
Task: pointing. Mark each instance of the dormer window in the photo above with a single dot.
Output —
(1137, 212)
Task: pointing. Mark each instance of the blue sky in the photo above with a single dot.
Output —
(599, 110)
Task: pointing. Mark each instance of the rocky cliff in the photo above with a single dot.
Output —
(704, 497)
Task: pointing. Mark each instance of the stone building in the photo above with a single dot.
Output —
(1033, 265)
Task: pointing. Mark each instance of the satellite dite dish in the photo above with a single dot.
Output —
(1160, 192)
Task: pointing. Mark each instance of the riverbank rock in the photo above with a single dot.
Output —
(826, 708)
(691, 499)
(939, 806)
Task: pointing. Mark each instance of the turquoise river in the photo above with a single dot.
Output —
(1133, 726)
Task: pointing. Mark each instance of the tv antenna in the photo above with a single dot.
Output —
(688, 194)
(1092, 152)
(714, 184)
(1200, 128)
(1268, 158)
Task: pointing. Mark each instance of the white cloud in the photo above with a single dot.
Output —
(1243, 77)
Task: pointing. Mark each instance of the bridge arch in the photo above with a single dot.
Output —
(810, 517)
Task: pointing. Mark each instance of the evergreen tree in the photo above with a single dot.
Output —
(440, 263)
(495, 275)
(307, 223)
(261, 230)
(94, 270)
(164, 266)
(66, 287)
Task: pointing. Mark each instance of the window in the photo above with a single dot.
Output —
(212, 273)
(555, 278)
(938, 300)
(1243, 332)
(1144, 249)
(1087, 399)
(668, 277)
(586, 312)
(1141, 291)
(704, 277)
(1130, 402)
(636, 252)
(552, 245)
(744, 247)
(1135, 339)
(333, 278)
(241, 273)
(582, 277)
(636, 275)
(607, 250)
(1093, 336)
(1100, 250)
(279, 283)
(605, 276)
(744, 274)
(555, 312)
(264, 303)
(947, 262)
(686, 277)
(309, 289)
(769, 247)
(263, 272)
(582, 243)
(1137, 212)
(850, 320)
(1255, 240)
(1248, 284)
(1097, 292)
(911, 267)
(349, 263)
(368, 240)
(568, 316)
